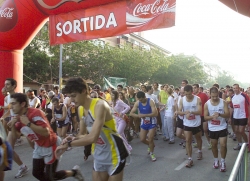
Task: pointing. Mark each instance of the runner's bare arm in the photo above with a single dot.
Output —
(134, 109)
(61, 98)
(180, 108)
(206, 113)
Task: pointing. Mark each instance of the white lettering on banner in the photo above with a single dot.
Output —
(154, 8)
(6, 13)
(95, 23)
(43, 4)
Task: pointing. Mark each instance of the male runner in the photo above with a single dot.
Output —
(108, 149)
(240, 111)
(190, 108)
(34, 125)
(215, 112)
(147, 113)
(10, 86)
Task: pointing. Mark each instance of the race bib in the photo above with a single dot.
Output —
(191, 117)
(146, 120)
(215, 122)
(29, 133)
(236, 106)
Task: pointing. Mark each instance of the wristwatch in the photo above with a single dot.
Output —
(28, 124)
(69, 143)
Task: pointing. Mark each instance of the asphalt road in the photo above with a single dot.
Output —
(170, 164)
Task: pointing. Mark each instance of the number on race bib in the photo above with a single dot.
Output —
(215, 122)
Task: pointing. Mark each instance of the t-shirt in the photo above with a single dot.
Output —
(157, 92)
(37, 117)
(169, 112)
(163, 96)
(204, 99)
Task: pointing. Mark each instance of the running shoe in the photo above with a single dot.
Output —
(189, 163)
(199, 157)
(216, 164)
(238, 147)
(153, 157)
(78, 174)
(223, 167)
(22, 171)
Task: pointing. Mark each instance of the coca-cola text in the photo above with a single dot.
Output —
(6, 13)
(159, 6)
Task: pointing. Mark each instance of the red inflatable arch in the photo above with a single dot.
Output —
(20, 20)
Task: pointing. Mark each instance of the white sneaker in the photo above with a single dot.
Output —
(22, 171)
(78, 175)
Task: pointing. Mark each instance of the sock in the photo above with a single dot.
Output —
(215, 159)
(190, 158)
(222, 160)
(151, 153)
(22, 166)
(199, 151)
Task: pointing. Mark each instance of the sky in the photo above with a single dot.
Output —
(211, 31)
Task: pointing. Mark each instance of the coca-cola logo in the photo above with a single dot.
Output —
(157, 7)
(48, 5)
(6, 13)
(8, 16)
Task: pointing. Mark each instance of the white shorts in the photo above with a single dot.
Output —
(47, 153)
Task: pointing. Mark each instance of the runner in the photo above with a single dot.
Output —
(58, 94)
(10, 86)
(59, 114)
(204, 125)
(134, 122)
(169, 117)
(33, 124)
(147, 113)
(190, 108)
(5, 108)
(34, 101)
(215, 112)
(119, 109)
(108, 149)
(240, 111)
(179, 123)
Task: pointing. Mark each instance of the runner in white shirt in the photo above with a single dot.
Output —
(240, 110)
(179, 123)
(169, 117)
(150, 94)
(190, 108)
(215, 112)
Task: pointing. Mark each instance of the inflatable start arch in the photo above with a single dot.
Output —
(20, 20)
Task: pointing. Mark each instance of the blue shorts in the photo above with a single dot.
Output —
(148, 126)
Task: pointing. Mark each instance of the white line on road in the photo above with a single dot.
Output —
(181, 165)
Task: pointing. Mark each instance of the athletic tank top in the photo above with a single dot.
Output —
(240, 106)
(194, 120)
(59, 113)
(146, 110)
(32, 102)
(220, 122)
(109, 148)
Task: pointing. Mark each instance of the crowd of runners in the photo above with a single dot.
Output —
(105, 122)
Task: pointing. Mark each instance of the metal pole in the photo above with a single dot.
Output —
(60, 67)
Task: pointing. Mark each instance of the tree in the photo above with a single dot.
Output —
(185, 67)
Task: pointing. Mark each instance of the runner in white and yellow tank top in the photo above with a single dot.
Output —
(108, 149)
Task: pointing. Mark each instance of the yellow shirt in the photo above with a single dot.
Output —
(164, 97)
(108, 96)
